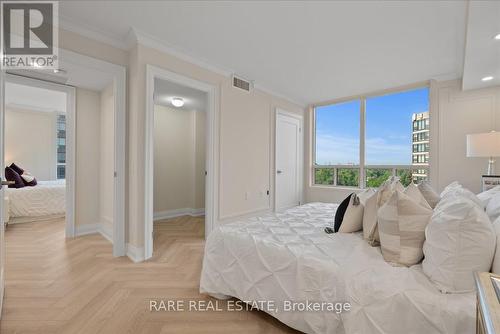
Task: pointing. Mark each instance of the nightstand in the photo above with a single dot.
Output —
(488, 305)
(489, 181)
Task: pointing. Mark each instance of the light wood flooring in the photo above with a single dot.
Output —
(54, 285)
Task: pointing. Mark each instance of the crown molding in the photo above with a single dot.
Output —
(446, 76)
(150, 41)
(301, 104)
(93, 33)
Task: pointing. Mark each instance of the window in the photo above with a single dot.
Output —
(337, 144)
(61, 146)
(395, 140)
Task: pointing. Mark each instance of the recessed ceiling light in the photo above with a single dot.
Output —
(59, 70)
(488, 78)
(177, 102)
(497, 37)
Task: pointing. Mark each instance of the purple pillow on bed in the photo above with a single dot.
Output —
(17, 169)
(12, 175)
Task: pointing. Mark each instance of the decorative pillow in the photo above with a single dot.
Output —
(495, 268)
(353, 216)
(12, 175)
(414, 193)
(401, 225)
(429, 194)
(28, 179)
(456, 189)
(339, 214)
(459, 241)
(17, 169)
(487, 195)
(370, 229)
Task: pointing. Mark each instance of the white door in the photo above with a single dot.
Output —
(2, 226)
(288, 161)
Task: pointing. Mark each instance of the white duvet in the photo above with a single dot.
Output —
(288, 257)
(46, 198)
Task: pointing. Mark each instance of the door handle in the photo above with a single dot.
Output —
(6, 183)
(279, 171)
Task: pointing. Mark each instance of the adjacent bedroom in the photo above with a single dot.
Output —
(35, 153)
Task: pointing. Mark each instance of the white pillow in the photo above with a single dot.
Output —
(414, 193)
(487, 195)
(353, 216)
(493, 207)
(384, 192)
(459, 241)
(27, 177)
(496, 260)
(429, 194)
(456, 189)
(401, 226)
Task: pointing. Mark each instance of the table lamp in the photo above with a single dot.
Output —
(484, 145)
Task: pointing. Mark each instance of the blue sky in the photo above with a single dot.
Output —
(388, 129)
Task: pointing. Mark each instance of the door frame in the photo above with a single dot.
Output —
(2, 208)
(119, 93)
(211, 179)
(300, 155)
(70, 139)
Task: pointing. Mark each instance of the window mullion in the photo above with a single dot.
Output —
(362, 127)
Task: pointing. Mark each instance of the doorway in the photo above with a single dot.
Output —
(204, 125)
(288, 162)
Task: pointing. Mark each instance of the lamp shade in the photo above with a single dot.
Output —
(483, 145)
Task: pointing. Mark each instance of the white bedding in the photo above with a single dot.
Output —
(288, 256)
(46, 198)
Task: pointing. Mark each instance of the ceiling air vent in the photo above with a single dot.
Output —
(240, 83)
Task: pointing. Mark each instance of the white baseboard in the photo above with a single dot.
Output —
(102, 229)
(136, 254)
(86, 229)
(177, 213)
(106, 231)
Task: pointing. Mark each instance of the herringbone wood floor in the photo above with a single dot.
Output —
(63, 286)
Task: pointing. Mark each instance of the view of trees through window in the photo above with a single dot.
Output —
(396, 141)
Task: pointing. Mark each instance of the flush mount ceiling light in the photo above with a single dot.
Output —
(59, 71)
(488, 78)
(177, 102)
(497, 37)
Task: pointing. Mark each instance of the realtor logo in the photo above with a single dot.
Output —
(29, 36)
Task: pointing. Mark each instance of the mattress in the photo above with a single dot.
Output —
(286, 258)
(46, 198)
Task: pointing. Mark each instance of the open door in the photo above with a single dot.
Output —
(2, 225)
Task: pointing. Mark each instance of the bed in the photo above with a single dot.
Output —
(287, 256)
(47, 198)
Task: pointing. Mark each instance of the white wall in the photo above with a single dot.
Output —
(178, 144)
(453, 114)
(88, 134)
(107, 162)
(244, 154)
(30, 141)
(200, 156)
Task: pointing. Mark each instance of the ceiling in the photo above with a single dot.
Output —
(165, 91)
(34, 98)
(482, 52)
(307, 51)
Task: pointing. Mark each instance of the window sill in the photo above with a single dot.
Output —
(318, 186)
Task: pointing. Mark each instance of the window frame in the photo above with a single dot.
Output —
(57, 163)
(362, 137)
